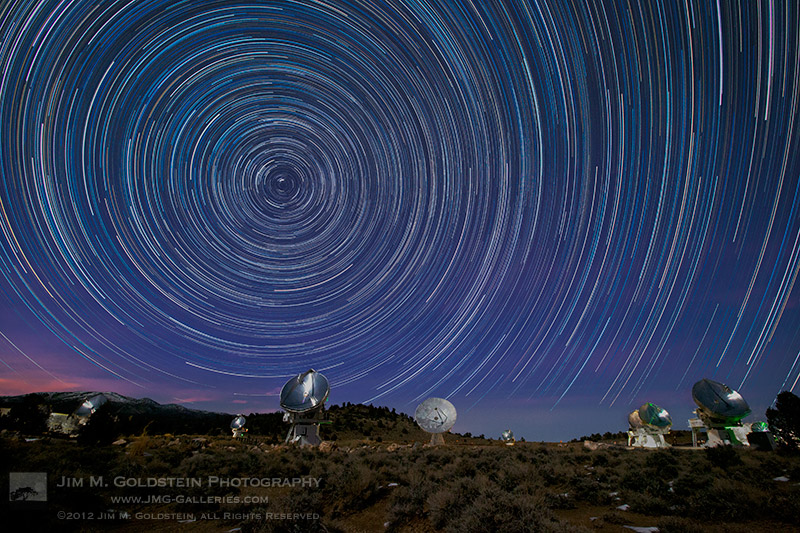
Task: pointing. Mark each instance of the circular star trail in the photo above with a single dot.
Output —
(513, 198)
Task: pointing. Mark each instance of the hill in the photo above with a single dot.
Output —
(124, 416)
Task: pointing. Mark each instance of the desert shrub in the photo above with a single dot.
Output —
(551, 475)
(580, 458)
(463, 467)
(467, 489)
(723, 456)
(587, 489)
(27, 416)
(171, 455)
(200, 465)
(647, 504)
(614, 517)
(496, 510)
(139, 446)
(636, 481)
(784, 420)
(127, 466)
(563, 500)
(304, 507)
(530, 482)
(353, 487)
(725, 499)
(662, 463)
(408, 501)
(513, 478)
(677, 524)
(443, 505)
(692, 482)
(784, 507)
(101, 428)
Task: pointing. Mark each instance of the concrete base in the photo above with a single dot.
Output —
(644, 438)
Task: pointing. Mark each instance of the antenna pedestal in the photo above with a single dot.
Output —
(303, 397)
(720, 411)
(718, 432)
(304, 431)
(647, 438)
(437, 439)
(731, 436)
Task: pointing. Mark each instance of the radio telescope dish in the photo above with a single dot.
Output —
(305, 393)
(655, 416)
(508, 437)
(435, 415)
(648, 425)
(720, 411)
(634, 421)
(303, 398)
(89, 406)
(238, 422)
(718, 402)
(237, 426)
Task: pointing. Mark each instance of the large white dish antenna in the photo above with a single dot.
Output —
(435, 415)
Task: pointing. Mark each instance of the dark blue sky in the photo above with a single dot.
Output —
(547, 212)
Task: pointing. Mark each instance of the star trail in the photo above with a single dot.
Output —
(534, 200)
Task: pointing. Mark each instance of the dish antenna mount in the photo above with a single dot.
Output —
(89, 407)
(303, 398)
(647, 427)
(436, 416)
(237, 426)
(720, 411)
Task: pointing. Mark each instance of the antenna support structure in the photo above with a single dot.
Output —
(303, 398)
(720, 411)
(436, 416)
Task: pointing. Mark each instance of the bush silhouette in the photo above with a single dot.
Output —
(784, 420)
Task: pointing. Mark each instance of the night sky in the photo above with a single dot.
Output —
(548, 212)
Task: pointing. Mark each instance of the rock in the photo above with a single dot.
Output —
(591, 445)
(393, 447)
(327, 446)
(119, 442)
